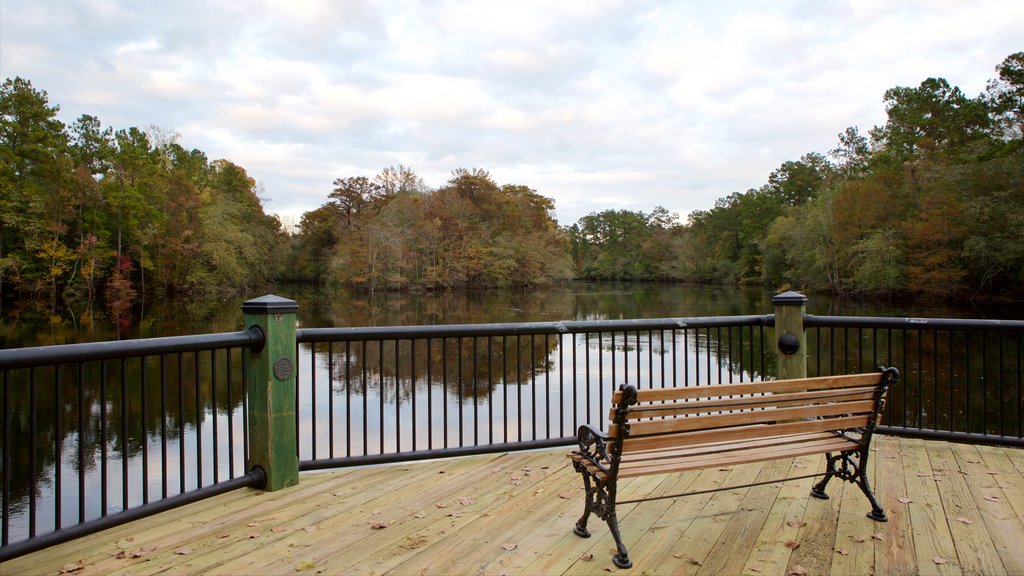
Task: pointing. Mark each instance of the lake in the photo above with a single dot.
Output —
(573, 301)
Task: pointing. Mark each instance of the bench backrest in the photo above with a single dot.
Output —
(666, 417)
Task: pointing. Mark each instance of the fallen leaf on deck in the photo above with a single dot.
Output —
(904, 500)
(842, 551)
(375, 512)
(725, 469)
(455, 514)
(755, 568)
(792, 544)
(420, 515)
(940, 560)
(878, 536)
(992, 498)
(68, 568)
(121, 555)
(587, 557)
(441, 505)
(278, 529)
(339, 493)
(251, 524)
(466, 500)
(304, 565)
(963, 520)
(678, 555)
(509, 547)
(858, 538)
(798, 570)
(378, 526)
(225, 535)
(136, 554)
(796, 523)
(800, 465)
(695, 562)
(183, 551)
(565, 495)
(252, 536)
(310, 528)
(147, 548)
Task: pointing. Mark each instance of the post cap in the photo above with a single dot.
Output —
(789, 298)
(269, 304)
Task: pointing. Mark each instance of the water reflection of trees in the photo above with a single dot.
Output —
(471, 366)
(467, 367)
(950, 380)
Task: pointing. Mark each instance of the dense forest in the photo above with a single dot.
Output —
(930, 204)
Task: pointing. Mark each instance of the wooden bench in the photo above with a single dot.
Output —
(669, 430)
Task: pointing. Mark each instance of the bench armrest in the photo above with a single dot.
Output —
(593, 445)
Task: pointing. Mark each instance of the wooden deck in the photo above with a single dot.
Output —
(953, 509)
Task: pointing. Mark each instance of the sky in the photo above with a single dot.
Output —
(598, 104)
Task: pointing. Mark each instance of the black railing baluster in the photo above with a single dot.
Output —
(33, 455)
(103, 437)
(199, 421)
(81, 442)
(58, 429)
(398, 398)
(124, 435)
(6, 475)
(430, 396)
(476, 393)
(412, 388)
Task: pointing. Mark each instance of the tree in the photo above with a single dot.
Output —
(1005, 96)
(33, 147)
(852, 155)
(934, 112)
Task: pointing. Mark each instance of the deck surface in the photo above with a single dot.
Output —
(953, 509)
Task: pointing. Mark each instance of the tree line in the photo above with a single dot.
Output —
(89, 214)
(931, 203)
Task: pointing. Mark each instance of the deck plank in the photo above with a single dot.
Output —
(895, 555)
(513, 522)
(1004, 527)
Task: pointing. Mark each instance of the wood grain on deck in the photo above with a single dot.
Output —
(953, 509)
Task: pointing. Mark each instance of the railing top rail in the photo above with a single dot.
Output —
(524, 328)
(813, 321)
(91, 351)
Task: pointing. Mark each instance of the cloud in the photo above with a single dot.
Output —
(598, 104)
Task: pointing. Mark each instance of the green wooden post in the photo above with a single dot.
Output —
(790, 336)
(270, 373)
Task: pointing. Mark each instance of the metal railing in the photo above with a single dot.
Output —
(98, 434)
(371, 395)
(961, 380)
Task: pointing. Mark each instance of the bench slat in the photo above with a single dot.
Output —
(721, 420)
(741, 456)
(743, 433)
(746, 402)
(795, 385)
(715, 446)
